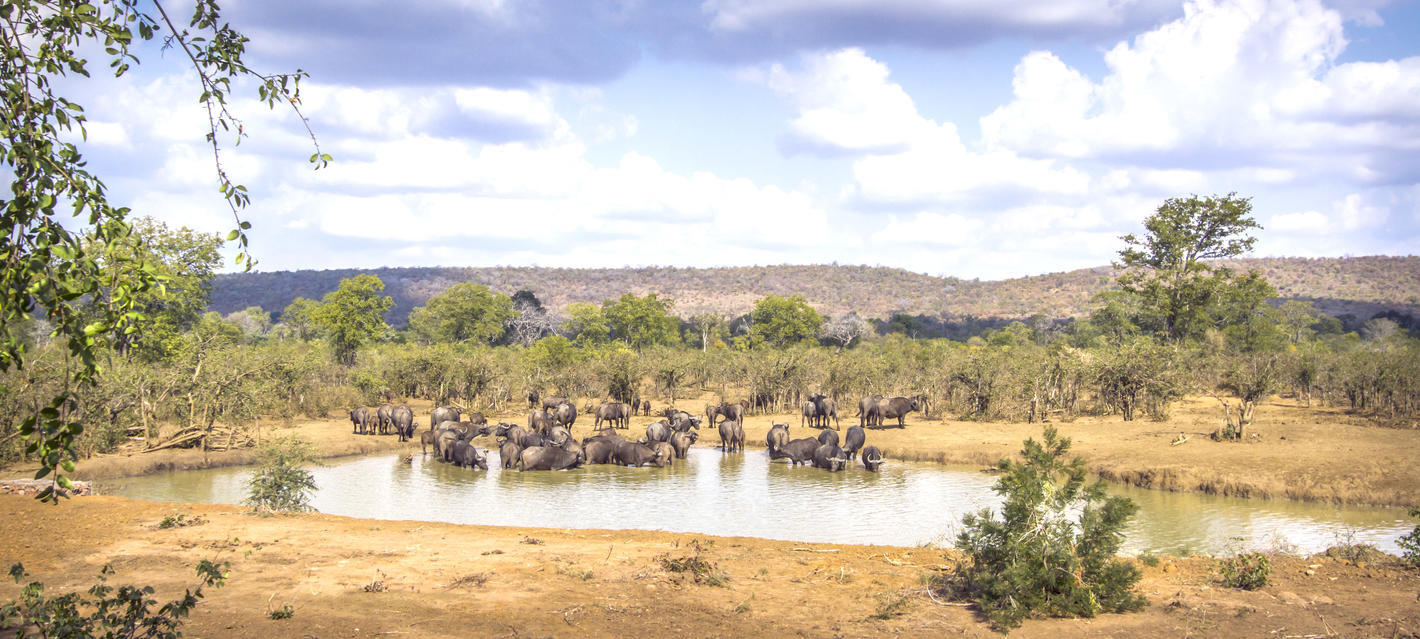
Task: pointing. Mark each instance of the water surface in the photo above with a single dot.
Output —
(743, 494)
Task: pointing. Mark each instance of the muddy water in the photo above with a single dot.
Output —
(743, 494)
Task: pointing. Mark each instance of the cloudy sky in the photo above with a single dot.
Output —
(974, 138)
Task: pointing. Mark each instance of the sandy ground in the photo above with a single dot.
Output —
(360, 578)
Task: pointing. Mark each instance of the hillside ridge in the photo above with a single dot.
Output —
(1361, 286)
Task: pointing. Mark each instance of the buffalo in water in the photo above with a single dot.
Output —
(599, 450)
(634, 454)
(854, 440)
(547, 458)
(732, 436)
(681, 442)
(509, 452)
(800, 451)
(828, 438)
(540, 421)
(658, 432)
(777, 437)
(872, 458)
(469, 456)
(830, 457)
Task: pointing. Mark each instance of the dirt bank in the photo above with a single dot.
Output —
(1317, 454)
(352, 578)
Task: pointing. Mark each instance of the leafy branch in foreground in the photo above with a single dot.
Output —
(1052, 551)
(103, 611)
(83, 276)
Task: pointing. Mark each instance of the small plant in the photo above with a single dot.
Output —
(476, 579)
(892, 604)
(280, 484)
(1149, 559)
(532, 541)
(180, 520)
(1248, 571)
(378, 583)
(103, 611)
(1410, 543)
(284, 612)
(1053, 548)
(702, 571)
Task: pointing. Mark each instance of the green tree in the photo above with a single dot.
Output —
(1296, 318)
(183, 260)
(710, 328)
(586, 324)
(642, 321)
(299, 318)
(280, 484)
(1168, 269)
(466, 312)
(353, 315)
(1052, 550)
(60, 269)
(781, 321)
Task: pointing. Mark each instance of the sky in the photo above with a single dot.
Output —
(968, 138)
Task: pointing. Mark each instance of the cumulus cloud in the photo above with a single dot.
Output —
(1246, 83)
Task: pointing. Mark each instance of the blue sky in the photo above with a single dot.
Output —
(953, 137)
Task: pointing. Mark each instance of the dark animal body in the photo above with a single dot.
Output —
(854, 440)
(829, 457)
(872, 458)
(777, 437)
(384, 416)
(402, 417)
(800, 451)
(681, 442)
(547, 458)
(617, 413)
(634, 454)
(828, 438)
(732, 436)
(444, 414)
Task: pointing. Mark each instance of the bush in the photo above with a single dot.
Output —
(1248, 571)
(103, 611)
(1038, 557)
(279, 483)
(1410, 543)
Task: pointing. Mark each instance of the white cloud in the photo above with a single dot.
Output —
(846, 102)
(1307, 222)
(1234, 77)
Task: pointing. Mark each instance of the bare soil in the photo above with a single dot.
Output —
(358, 578)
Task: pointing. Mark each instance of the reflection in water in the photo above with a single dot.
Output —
(743, 494)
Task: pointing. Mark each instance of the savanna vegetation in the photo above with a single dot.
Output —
(1177, 323)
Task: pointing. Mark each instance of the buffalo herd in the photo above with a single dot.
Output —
(546, 443)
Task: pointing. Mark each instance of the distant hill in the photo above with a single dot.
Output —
(1362, 286)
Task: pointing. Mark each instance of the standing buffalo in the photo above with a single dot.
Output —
(617, 413)
(800, 451)
(732, 411)
(777, 437)
(403, 419)
(476, 418)
(808, 412)
(385, 417)
(547, 458)
(825, 408)
(509, 452)
(711, 412)
(539, 421)
(558, 436)
(732, 436)
(665, 452)
(865, 407)
(534, 396)
(853, 440)
(426, 439)
(872, 458)
(828, 438)
(681, 442)
(444, 414)
(646, 407)
(892, 408)
(361, 420)
(829, 457)
(551, 403)
(658, 432)
(565, 415)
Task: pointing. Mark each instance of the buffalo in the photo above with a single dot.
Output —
(403, 419)
(853, 440)
(509, 452)
(547, 458)
(658, 432)
(617, 413)
(892, 408)
(599, 450)
(732, 436)
(872, 458)
(777, 437)
(634, 454)
(829, 457)
(384, 417)
(565, 415)
(828, 438)
(444, 414)
(800, 451)
(682, 442)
